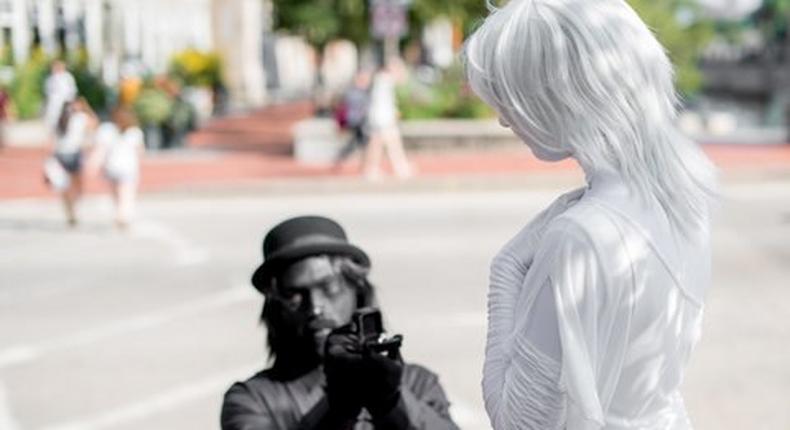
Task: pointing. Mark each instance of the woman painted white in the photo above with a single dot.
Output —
(594, 306)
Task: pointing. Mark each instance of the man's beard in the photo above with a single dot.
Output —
(296, 340)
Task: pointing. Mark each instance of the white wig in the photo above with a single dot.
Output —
(587, 78)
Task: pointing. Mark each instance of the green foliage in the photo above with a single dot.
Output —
(6, 55)
(153, 106)
(27, 87)
(321, 21)
(774, 18)
(182, 116)
(449, 98)
(683, 44)
(89, 85)
(467, 13)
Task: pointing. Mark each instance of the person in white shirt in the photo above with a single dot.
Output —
(383, 117)
(595, 306)
(75, 124)
(119, 146)
(59, 89)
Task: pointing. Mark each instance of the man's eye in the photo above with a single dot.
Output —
(291, 296)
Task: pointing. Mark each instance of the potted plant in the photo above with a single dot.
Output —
(200, 74)
(153, 107)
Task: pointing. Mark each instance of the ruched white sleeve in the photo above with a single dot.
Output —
(538, 372)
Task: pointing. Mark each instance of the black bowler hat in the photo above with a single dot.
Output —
(301, 237)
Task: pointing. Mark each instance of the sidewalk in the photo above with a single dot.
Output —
(256, 148)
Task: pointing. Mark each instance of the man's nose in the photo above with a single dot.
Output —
(318, 301)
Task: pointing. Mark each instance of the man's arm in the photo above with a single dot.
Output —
(422, 404)
(241, 411)
(322, 418)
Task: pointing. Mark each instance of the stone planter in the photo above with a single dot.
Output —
(30, 133)
(456, 134)
(152, 134)
(317, 141)
(202, 100)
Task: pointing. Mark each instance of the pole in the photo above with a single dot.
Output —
(391, 48)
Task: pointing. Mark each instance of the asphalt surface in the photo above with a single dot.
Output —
(101, 329)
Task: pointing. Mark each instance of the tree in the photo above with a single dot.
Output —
(773, 20)
(683, 41)
(321, 21)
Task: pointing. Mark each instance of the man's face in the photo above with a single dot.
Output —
(315, 286)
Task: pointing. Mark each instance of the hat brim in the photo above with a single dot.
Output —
(261, 276)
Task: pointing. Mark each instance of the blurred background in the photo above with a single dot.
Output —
(243, 111)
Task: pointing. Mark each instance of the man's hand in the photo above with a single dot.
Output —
(343, 367)
(382, 381)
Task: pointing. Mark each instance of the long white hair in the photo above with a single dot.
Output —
(589, 79)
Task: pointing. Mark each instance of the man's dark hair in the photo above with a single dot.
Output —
(290, 342)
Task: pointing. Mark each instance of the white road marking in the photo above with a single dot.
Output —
(164, 401)
(28, 352)
(7, 421)
(185, 252)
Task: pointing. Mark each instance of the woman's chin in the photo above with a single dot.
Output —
(551, 157)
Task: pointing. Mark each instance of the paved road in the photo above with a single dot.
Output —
(103, 330)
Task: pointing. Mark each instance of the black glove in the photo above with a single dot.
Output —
(343, 367)
(383, 372)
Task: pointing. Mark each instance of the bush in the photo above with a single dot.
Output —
(89, 85)
(27, 87)
(451, 97)
(196, 68)
(153, 106)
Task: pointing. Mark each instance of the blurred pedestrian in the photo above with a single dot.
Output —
(74, 125)
(596, 305)
(59, 89)
(119, 146)
(334, 367)
(353, 114)
(383, 117)
(5, 112)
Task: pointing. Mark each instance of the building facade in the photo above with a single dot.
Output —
(123, 36)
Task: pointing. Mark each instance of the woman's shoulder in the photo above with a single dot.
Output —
(587, 225)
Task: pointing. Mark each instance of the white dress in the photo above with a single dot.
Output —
(594, 308)
(383, 109)
(73, 139)
(122, 152)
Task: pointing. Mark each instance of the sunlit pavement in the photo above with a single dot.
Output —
(102, 329)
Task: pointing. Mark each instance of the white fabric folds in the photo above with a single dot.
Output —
(593, 310)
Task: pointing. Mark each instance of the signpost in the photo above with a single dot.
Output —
(389, 23)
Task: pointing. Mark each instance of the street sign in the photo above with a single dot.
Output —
(388, 19)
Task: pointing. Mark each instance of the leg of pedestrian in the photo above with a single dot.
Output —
(397, 155)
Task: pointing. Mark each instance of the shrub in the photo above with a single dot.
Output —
(89, 85)
(153, 106)
(27, 87)
(196, 68)
(450, 97)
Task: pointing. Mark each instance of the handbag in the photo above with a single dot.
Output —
(54, 173)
